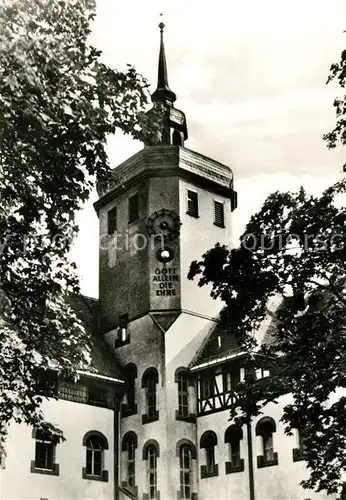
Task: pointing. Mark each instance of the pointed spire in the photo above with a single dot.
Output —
(163, 93)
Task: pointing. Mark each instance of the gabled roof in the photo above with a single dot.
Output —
(103, 362)
(218, 346)
(221, 345)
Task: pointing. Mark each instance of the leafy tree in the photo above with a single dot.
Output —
(338, 135)
(58, 103)
(293, 251)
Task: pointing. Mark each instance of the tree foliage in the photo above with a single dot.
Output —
(58, 103)
(294, 249)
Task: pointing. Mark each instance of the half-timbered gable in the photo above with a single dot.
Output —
(219, 367)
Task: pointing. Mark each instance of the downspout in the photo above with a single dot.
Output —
(250, 460)
(116, 438)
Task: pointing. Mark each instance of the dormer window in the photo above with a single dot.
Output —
(192, 203)
(134, 208)
(262, 373)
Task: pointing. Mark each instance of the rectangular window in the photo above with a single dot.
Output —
(44, 456)
(133, 207)
(302, 438)
(122, 329)
(192, 203)
(152, 474)
(94, 462)
(46, 383)
(262, 373)
(112, 221)
(151, 398)
(183, 395)
(97, 395)
(44, 451)
(207, 388)
(235, 453)
(131, 463)
(185, 472)
(231, 379)
(219, 217)
(210, 458)
(268, 449)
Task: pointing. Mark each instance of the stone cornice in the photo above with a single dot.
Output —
(166, 161)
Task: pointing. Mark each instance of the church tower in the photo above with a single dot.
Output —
(161, 209)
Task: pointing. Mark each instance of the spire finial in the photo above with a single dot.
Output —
(163, 93)
(162, 24)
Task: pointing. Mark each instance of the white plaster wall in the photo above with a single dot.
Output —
(224, 486)
(17, 482)
(182, 340)
(197, 236)
(145, 350)
(281, 481)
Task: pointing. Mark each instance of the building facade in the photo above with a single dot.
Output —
(152, 421)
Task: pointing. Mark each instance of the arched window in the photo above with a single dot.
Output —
(129, 445)
(185, 461)
(151, 454)
(298, 453)
(149, 381)
(233, 436)
(130, 407)
(208, 441)
(186, 452)
(45, 449)
(265, 428)
(95, 443)
(178, 138)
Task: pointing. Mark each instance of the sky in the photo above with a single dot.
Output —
(251, 79)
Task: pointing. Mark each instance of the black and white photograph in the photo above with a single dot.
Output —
(172, 250)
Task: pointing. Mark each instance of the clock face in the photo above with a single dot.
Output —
(164, 222)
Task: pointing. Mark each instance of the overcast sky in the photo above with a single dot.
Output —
(250, 77)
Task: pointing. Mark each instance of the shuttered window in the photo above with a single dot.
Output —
(112, 221)
(219, 218)
(192, 203)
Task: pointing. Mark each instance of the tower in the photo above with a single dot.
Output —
(161, 209)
